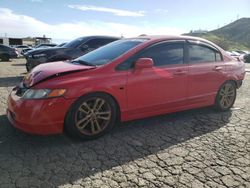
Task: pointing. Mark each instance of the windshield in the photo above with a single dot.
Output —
(74, 43)
(109, 52)
(61, 45)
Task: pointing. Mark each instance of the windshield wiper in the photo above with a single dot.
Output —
(78, 61)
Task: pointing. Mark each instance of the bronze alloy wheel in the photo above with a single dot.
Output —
(226, 96)
(93, 116)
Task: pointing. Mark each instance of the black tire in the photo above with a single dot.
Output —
(226, 96)
(71, 120)
(5, 57)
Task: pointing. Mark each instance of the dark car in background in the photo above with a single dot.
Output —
(26, 50)
(7, 52)
(45, 45)
(69, 51)
(247, 58)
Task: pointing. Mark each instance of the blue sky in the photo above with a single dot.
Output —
(65, 20)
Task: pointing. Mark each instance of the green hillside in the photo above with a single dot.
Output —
(234, 36)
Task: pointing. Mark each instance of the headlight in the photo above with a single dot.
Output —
(39, 55)
(43, 93)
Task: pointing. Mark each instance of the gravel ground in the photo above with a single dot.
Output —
(196, 148)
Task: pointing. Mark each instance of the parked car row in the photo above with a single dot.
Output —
(37, 47)
(64, 51)
(69, 51)
(20, 48)
(242, 54)
(124, 80)
(8, 52)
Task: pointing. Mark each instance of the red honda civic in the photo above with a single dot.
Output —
(125, 80)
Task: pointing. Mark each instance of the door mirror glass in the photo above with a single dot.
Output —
(143, 63)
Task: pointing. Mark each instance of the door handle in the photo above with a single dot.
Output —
(180, 72)
(217, 68)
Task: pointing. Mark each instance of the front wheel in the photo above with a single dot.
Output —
(226, 96)
(91, 116)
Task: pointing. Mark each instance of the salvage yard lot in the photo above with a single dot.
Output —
(195, 148)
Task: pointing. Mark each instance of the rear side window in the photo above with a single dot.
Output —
(203, 54)
(165, 54)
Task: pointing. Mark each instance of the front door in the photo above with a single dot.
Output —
(153, 90)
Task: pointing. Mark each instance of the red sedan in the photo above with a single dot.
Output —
(124, 80)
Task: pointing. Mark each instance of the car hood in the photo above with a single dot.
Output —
(50, 70)
(45, 50)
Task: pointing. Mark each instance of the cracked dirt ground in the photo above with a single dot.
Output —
(196, 148)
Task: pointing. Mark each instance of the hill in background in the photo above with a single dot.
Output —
(234, 36)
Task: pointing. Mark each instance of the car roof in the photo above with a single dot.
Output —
(99, 37)
(45, 44)
(158, 38)
(171, 37)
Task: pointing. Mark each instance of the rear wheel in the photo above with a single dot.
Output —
(91, 116)
(226, 96)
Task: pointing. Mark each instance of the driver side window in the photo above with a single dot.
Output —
(162, 54)
(165, 54)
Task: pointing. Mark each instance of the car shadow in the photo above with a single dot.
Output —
(129, 141)
(10, 81)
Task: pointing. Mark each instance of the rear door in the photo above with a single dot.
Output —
(206, 72)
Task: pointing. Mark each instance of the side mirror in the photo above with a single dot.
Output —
(143, 63)
(84, 47)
